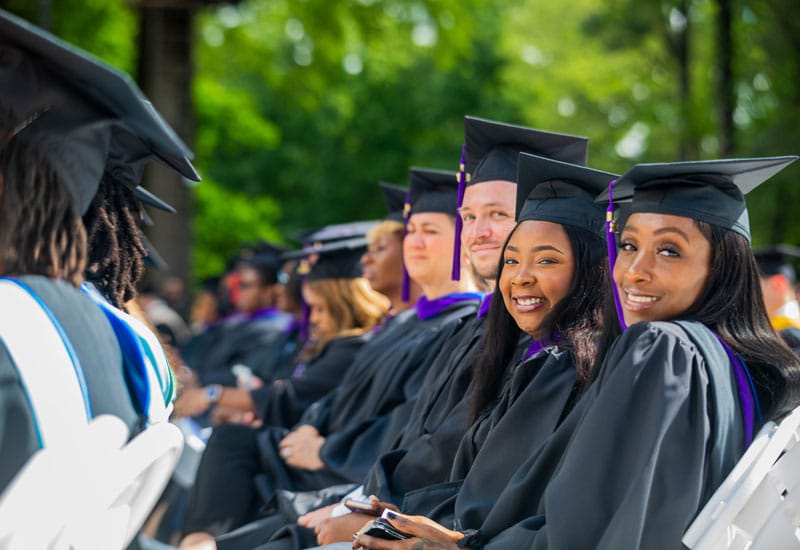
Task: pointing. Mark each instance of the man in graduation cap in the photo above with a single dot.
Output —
(340, 435)
(424, 453)
(778, 279)
(64, 118)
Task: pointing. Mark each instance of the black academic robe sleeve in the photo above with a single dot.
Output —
(393, 333)
(283, 402)
(424, 454)
(534, 399)
(656, 434)
(351, 450)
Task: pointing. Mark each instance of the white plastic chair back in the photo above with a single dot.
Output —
(150, 460)
(128, 491)
(48, 495)
(758, 504)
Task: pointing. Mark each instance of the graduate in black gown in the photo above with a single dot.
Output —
(778, 278)
(424, 454)
(344, 310)
(255, 337)
(679, 394)
(60, 124)
(339, 437)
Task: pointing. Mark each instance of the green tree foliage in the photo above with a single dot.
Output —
(304, 105)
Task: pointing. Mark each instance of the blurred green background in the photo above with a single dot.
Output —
(299, 107)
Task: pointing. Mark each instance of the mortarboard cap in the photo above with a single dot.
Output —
(492, 148)
(491, 152)
(778, 259)
(152, 257)
(265, 258)
(432, 191)
(338, 260)
(560, 192)
(394, 197)
(146, 197)
(348, 235)
(82, 114)
(334, 232)
(711, 191)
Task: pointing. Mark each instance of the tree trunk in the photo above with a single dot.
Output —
(165, 75)
(725, 87)
(688, 146)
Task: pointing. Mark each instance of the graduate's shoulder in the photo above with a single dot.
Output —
(660, 346)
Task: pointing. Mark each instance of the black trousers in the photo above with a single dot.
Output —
(224, 496)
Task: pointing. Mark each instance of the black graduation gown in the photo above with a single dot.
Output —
(370, 408)
(423, 455)
(536, 396)
(635, 460)
(96, 347)
(266, 343)
(392, 364)
(545, 404)
(283, 402)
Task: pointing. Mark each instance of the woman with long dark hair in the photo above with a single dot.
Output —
(550, 289)
(680, 392)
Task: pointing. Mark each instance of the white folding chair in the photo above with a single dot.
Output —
(758, 505)
(125, 494)
(48, 494)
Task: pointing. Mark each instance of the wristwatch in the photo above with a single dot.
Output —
(213, 393)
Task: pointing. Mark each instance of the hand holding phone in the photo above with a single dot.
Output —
(382, 529)
(362, 507)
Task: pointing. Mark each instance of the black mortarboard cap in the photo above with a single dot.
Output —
(82, 114)
(152, 257)
(334, 232)
(394, 197)
(146, 197)
(432, 191)
(338, 260)
(493, 148)
(560, 192)
(265, 261)
(711, 191)
(778, 259)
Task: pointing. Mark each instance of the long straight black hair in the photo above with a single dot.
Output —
(731, 304)
(576, 319)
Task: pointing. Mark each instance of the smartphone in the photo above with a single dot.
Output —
(382, 529)
(361, 507)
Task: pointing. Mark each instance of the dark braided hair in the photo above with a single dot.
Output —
(116, 251)
(40, 231)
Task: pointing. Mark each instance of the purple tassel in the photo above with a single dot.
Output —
(612, 252)
(455, 274)
(405, 295)
(306, 311)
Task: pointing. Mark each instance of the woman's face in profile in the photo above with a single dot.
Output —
(662, 266)
(383, 262)
(322, 322)
(537, 271)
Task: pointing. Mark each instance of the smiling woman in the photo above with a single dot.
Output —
(662, 267)
(678, 395)
(537, 272)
